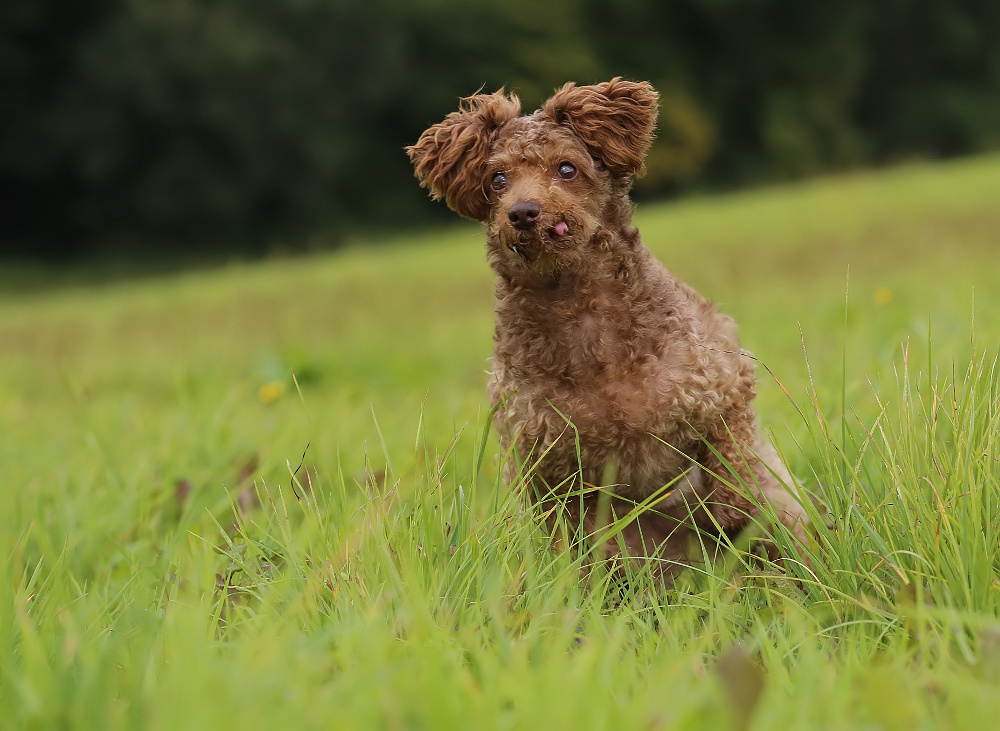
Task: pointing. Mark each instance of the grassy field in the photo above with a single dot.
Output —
(191, 538)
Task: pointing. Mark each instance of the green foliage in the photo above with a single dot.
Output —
(261, 125)
(194, 537)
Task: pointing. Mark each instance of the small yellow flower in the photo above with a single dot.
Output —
(883, 295)
(271, 391)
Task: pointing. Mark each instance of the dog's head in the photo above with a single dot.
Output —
(545, 183)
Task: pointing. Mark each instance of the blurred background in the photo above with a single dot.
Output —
(152, 128)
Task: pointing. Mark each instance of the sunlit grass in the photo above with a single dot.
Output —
(193, 538)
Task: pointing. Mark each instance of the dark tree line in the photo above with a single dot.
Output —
(242, 124)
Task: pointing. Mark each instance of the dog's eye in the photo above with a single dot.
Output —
(499, 182)
(566, 170)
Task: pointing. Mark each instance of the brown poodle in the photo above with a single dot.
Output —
(606, 367)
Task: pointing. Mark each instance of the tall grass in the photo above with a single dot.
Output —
(192, 538)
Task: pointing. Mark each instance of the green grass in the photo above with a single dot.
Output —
(172, 560)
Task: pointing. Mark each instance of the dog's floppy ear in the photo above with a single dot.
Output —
(615, 120)
(450, 158)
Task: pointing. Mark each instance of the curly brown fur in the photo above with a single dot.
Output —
(602, 356)
(445, 153)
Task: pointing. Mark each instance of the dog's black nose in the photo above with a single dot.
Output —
(524, 215)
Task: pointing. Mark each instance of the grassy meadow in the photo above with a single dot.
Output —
(193, 537)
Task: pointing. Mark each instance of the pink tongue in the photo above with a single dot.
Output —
(561, 228)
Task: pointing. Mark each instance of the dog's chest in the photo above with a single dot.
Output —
(594, 370)
(586, 355)
(623, 420)
(621, 400)
(592, 340)
(589, 382)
